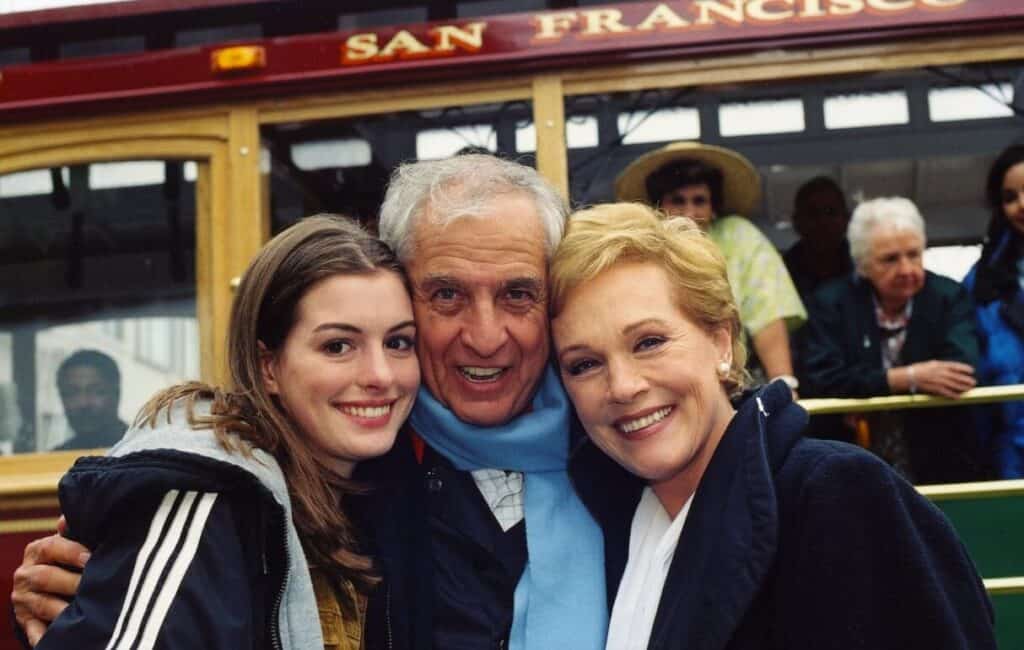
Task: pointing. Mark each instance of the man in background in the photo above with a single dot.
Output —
(90, 391)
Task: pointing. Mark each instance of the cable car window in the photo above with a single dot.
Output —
(97, 298)
(324, 154)
(761, 117)
(866, 109)
(343, 165)
(664, 125)
(970, 103)
(580, 132)
(441, 143)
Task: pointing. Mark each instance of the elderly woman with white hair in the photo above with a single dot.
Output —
(893, 327)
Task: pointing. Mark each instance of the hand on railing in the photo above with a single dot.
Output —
(948, 379)
(943, 378)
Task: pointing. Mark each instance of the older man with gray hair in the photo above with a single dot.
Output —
(519, 561)
(517, 555)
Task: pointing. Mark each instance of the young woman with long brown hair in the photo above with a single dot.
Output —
(230, 517)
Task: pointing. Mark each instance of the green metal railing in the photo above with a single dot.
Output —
(988, 516)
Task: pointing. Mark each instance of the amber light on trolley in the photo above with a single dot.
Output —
(238, 58)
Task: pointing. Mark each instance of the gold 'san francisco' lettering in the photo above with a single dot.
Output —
(769, 10)
(812, 9)
(445, 40)
(730, 11)
(449, 37)
(602, 21)
(662, 17)
(555, 26)
(891, 5)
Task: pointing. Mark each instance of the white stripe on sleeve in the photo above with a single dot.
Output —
(168, 548)
(156, 526)
(177, 574)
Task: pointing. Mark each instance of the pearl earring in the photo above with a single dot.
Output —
(723, 369)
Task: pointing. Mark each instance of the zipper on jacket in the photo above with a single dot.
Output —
(275, 626)
(387, 614)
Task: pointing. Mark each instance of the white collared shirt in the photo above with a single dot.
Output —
(653, 538)
(503, 492)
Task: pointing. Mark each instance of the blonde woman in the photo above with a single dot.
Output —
(724, 527)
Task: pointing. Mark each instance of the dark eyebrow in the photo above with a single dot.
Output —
(345, 327)
(402, 325)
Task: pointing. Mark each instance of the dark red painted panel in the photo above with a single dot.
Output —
(509, 44)
(12, 547)
(110, 10)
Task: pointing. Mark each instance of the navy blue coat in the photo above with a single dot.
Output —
(798, 543)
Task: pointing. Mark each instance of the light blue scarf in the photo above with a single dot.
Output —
(560, 600)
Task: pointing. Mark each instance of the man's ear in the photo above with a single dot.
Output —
(268, 370)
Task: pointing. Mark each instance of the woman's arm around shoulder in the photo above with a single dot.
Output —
(867, 562)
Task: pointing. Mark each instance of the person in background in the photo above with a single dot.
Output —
(89, 384)
(896, 328)
(820, 218)
(996, 282)
(724, 526)
(713, 186)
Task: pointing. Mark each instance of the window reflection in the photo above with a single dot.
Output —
(343, 165)
(97, 298)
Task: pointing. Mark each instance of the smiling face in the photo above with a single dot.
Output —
(1013, 197)
(347, 373)
(693, 201)
(642, 375)
(895, 266)
(480, 298)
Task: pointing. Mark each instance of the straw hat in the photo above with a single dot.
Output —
(741, 184)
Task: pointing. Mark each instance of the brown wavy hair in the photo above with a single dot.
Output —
(263, 312)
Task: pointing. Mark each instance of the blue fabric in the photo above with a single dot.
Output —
(1001, 426)
(560, 599)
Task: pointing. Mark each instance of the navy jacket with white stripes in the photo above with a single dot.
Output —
(194, 547)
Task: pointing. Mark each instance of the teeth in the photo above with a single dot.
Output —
(367, 411)
(645, 421)
(480, 374)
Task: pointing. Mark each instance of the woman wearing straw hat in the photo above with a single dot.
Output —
(712, 186)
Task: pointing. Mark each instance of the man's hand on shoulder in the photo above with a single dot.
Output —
(47, 578)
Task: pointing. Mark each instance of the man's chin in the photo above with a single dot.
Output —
(485, 414)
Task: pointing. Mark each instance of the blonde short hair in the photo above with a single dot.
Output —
(600, 237)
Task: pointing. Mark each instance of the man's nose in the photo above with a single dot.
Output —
(484, 331)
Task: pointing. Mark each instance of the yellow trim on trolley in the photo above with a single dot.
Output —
(984, 395)
(1004, 586)
(37, 525)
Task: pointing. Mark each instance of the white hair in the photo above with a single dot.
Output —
(464, 186)
(893, 212)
